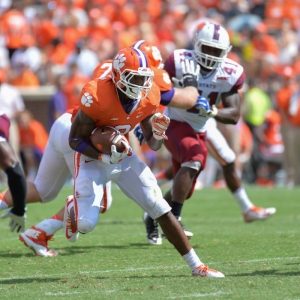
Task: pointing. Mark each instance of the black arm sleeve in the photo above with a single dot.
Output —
(18, 188)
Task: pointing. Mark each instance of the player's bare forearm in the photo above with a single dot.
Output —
(153, 143)
(184, 98)
(81, 128)
(227, 116)
(231, 112)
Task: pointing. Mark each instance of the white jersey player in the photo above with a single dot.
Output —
(226, 79)
(219, 81)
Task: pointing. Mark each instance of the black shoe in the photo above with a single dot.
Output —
(153, 235)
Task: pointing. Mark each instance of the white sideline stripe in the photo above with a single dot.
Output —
(141, 269)
(83, 292)
(112, 291)
(200, 295)
(63, 294)
(11, 239)
(268, 259)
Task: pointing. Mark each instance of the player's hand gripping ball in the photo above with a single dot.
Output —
(103, 138)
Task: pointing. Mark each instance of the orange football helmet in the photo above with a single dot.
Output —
(131, 73)
(152, 52)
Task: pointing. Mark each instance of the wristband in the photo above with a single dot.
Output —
(81, 147)
(166, 97)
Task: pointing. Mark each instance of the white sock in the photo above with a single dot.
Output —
(50, 226)
(192, 259)
(242, 199)
(3, 205)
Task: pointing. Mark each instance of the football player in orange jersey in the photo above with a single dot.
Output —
(60, 156)
(123, 100)
(184, 98)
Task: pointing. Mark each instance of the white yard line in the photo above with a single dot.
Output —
(63, 294)
(79, 292)
(130, 269)
(198, 295)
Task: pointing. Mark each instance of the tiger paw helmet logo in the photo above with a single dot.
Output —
(86, 100)
(119, 61)
(156, 53)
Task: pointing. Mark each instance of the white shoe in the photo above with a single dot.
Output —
(204, 271)
(188, 233)
(257, 213)
(70, 231)
(37, 240)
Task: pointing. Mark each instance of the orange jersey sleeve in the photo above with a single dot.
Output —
(162, 79)
(102, 69)
(100, 101)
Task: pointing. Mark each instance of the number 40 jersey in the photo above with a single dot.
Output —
(228, 76)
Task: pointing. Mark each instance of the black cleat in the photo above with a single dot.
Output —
(153, 236)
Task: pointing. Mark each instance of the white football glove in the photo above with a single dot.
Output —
(159, 124)
(116, 156)
(16, 222)
(213, 111)
(190, 74)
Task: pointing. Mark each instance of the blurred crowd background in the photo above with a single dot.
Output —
(48, 50)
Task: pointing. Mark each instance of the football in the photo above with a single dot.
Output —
(103, 138)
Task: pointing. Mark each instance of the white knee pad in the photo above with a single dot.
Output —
(84, 187)
(85, 226)
(196, 165)
(231, 158)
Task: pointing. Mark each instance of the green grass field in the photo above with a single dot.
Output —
(260, 260)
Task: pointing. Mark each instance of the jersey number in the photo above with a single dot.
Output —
(230, 70)
(108, 67)
(124, 129)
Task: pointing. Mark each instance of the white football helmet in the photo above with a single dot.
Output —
(211, 35)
